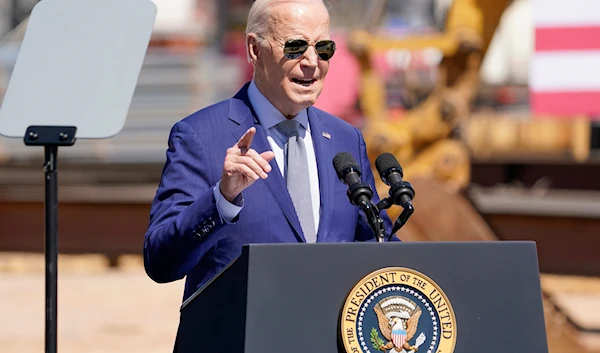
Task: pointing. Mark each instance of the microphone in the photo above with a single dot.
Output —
(349, 173)
(401, 192)
(359, 193)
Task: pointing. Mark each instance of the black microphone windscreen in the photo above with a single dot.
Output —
(385, 162)
(343, 161)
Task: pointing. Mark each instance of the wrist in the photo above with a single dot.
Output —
(228, 196)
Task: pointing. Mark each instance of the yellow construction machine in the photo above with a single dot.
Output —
(423, 138)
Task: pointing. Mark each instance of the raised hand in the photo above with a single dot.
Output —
(243, 166)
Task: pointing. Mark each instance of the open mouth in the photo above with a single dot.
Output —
(304, 82)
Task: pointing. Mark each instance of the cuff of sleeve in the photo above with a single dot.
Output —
(227, 211)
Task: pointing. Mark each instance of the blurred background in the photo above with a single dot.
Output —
(489, 105)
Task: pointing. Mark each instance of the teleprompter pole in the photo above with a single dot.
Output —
(51, 211)
(51, 137)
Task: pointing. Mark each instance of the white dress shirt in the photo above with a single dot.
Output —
(269, 117)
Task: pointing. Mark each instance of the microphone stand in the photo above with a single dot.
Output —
(406, 195)
(376, 223)
(403, 218)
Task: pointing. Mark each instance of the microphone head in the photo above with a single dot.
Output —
(344, 163)
(386, 164)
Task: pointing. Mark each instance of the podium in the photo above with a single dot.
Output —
(466, 297)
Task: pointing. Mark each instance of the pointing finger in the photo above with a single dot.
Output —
(245, 141)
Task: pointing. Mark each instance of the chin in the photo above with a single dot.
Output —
(305, 99)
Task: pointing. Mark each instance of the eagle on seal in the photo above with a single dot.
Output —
(398, 318)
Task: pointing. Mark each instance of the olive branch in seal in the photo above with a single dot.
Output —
(378, 343)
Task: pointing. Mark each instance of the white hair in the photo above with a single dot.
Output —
(258, 17)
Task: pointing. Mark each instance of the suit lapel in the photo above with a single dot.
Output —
(241, 112)
(324, 152)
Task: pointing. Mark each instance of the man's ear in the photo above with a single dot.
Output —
(252, 48)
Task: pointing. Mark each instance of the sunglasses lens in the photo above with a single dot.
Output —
(325, 49)
(293, 49)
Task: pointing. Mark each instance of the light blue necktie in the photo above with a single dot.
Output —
(296, 175)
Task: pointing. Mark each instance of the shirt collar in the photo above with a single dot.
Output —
(267, 114)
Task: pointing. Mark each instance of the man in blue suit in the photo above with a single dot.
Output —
(224, 181)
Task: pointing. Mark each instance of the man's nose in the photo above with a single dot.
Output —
(310, 58)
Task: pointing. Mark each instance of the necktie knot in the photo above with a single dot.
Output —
(288, 128)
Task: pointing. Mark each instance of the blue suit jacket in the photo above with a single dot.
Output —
(186, 236)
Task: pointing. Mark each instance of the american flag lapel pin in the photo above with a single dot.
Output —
(327, 135)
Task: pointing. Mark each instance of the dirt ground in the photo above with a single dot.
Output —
(108, 311)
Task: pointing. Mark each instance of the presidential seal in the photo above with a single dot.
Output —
(397, 310)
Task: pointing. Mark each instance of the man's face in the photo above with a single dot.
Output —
(292, 84)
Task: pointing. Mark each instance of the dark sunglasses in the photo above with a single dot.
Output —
(295, 48)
